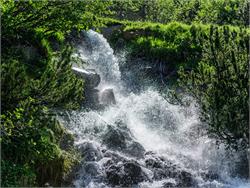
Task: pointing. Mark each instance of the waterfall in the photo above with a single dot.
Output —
(143, 140)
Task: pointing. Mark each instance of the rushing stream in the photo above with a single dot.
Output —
(142, 140)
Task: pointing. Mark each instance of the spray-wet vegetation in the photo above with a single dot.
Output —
(144, 93)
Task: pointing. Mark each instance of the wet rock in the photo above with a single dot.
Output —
(122, 126)
(185, 179)
(242, 168)
(130, 147)
(133, 173)
(209, 176)
(132, 168)
(160, 174)
(116, 158)
(114, 175)
(90, 172)
(91, 97)
(92, 168)
(126, 174)
(135, 149)
(163, 168)
(120, 139)
(114, 138)
(153, 163)
(149, 153)
(108, 163)
(107, 97)
(91, 78)
(168, 184)
(90, 152)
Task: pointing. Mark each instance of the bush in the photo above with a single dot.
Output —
(233, 12)
(36, 79)
(53, 85)
(220, 84)
(14, 175)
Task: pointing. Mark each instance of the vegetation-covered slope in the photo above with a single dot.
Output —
(232, 12)
(210, 62)
(202, 43)
(36, 78)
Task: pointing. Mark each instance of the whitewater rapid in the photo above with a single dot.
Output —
(168, 131)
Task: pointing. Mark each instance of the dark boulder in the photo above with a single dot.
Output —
(91, 78)
(115, 156)
(160, 174)
(185, 179)
(114, 176)
(168, 185)
(92, 168)
(114, 138)
(120, 138)
(91, 98)
(209, 176)
(90, 152)
(153, 163)
(126, 174)
(163, 168)
(135, 149)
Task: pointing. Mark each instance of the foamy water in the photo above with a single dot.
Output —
(168, 130)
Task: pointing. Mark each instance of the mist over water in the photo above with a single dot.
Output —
(170, 133)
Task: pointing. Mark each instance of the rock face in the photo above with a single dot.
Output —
(163, 168)
(92, 79)
(93, 97)
(118, 138)
(90, 152)
(107, 97)
(125, 174)
(103, 164)
(118, 160)
(114, 138)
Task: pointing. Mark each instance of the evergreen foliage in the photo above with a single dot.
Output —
(36, 78)
(220, 84)
(233, 12)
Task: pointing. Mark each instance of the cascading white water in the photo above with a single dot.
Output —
(172, 132)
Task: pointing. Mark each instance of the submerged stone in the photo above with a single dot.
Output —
(91, 78)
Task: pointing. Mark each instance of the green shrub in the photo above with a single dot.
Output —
(220, 84)
(233, 12)
(15, 175)
(36, 78)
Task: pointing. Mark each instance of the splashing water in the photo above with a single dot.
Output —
(144, 127)
(99, 52)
